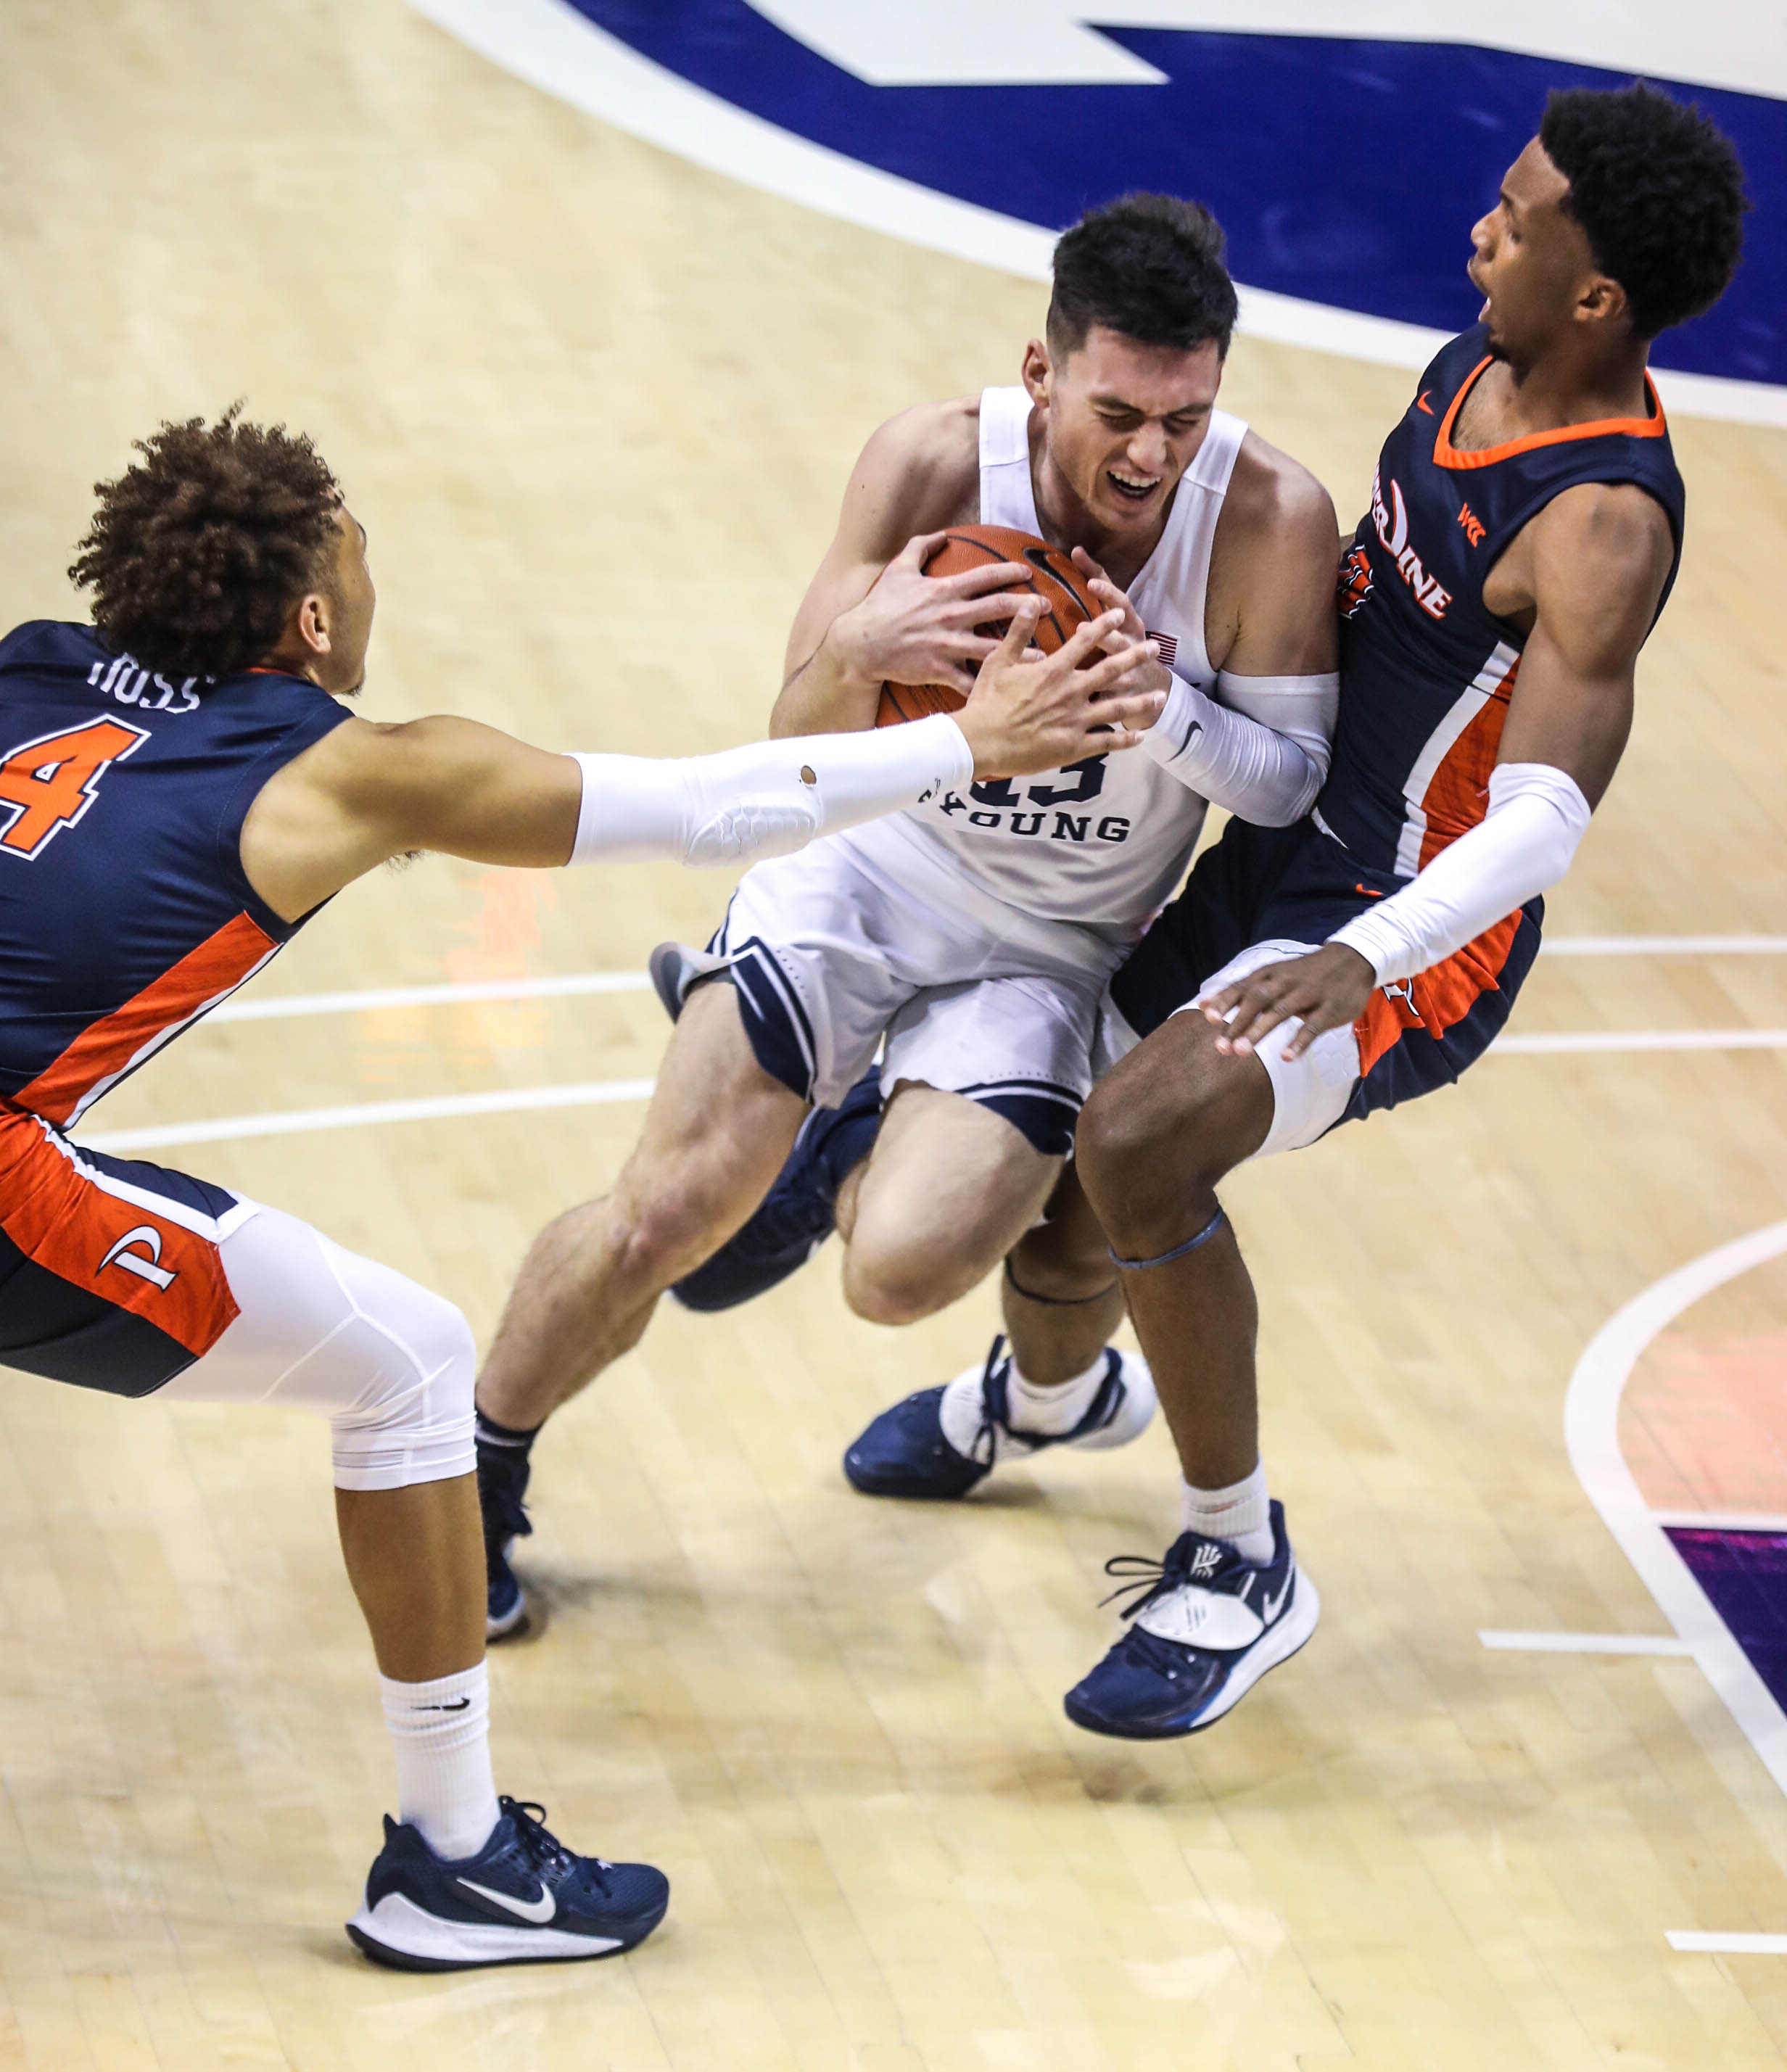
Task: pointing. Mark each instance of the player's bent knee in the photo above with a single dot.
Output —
(900, 1288)
(388, 1363)
(670, 1235)
(411, 1419)
(1146, 1146)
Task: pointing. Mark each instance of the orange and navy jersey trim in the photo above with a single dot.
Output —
(1437, 1000)
(108, 1049)
(1268, 885)
(1446, 455)
(124, 909)
(117, 1233)
(1447, 791)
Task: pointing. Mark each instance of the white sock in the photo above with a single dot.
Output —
(441, 1732)
(1050, 1411)
(1239, 1514)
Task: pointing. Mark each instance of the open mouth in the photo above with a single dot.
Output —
(1132, 488)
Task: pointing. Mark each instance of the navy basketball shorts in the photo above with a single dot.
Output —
(1261, 896)
(843, 947)
(129, 1277)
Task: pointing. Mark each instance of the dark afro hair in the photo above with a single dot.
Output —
(1149, 266)
(200, 550)
(1659, 193)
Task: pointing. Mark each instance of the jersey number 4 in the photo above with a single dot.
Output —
(48, 784)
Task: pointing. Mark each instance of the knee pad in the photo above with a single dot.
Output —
(413, 1361)
(318, 1328)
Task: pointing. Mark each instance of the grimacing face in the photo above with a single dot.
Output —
(1124, 421)
(1530, 261)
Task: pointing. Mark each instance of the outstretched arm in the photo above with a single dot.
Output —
(366, 793)
(1594, 561)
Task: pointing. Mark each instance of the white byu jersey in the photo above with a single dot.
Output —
(1105, 841)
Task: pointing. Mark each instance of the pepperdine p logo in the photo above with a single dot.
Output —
(146, 1264)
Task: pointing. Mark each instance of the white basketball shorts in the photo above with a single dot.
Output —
(863, 936)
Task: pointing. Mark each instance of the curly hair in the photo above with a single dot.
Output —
(1149, 266)
(1659, 193)
(200, 550)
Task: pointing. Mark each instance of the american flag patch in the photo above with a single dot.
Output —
(1169, 646)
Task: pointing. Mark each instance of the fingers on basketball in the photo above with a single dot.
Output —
(1067, 604)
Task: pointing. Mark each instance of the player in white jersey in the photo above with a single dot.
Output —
(969, 939)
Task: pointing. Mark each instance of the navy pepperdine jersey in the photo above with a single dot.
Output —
(125, 913)
(1426, 669)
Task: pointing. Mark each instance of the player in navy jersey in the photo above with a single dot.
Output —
(180, 791)
(1524, 531)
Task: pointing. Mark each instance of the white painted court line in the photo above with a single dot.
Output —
(1663, 946)
(510, 1100)
(581, 985)
(1593, 1042)
(1588, 1643)
(590, 1093)
(279, 1007)
(1591, 1431)
(1715, 1944)
(1724, 1521)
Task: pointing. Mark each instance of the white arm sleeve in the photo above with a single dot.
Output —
(1260, 747)
(765, 798)
(1521, 847)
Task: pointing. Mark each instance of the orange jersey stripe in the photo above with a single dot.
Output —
(1436, 999)
(59, 1218)
(101, 1051)
(1457, 796)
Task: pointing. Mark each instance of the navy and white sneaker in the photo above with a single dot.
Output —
(942, 1442)
(797, 1215)
(503, 1473)
(524, 1899)
(1207, 1628)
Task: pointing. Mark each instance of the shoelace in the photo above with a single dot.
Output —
(542, 1849)
(1144, 1579)
(988, 1428)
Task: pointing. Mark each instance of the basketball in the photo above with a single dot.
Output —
(1052, 577)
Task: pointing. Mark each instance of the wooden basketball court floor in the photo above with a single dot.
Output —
(595, 407)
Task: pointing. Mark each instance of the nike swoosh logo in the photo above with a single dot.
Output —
(538, 1911)
(1268, 1611)
(458, 1705)
(1422, 404)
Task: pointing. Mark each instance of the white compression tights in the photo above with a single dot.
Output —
(390, 1365)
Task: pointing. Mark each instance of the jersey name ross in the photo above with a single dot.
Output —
(123, 678)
